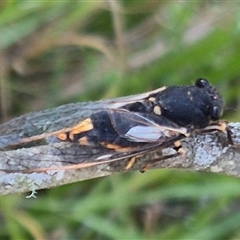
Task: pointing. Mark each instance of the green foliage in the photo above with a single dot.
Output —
(55, 52)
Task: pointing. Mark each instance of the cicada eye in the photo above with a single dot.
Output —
(202, 83)
(216, 113)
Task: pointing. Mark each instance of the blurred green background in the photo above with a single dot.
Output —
(54, 52)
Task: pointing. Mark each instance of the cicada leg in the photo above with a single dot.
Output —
(179, 151)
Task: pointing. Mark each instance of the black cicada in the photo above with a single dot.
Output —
(141, 123)
(156, 118)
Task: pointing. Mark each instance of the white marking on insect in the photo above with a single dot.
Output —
(145, 134)
(152, 99)
(152, 134)
(157, 110)
(104, 156)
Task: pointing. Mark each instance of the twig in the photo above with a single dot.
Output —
(206, 152)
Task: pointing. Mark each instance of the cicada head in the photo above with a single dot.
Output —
(216, 108)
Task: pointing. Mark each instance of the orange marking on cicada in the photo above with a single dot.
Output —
(116, 147)
(222, 127)
(131, 163)
(62, 136)
(84, 141)
(83, 126)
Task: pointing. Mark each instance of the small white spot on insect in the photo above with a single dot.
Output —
(157, 110)
(152, 99)
(104, 156)
(190, 95)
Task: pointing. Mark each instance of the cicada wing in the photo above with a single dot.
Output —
(136, 127)
(144, 134)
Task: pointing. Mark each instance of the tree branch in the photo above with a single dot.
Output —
(20, 163)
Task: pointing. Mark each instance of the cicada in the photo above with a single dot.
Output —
(141, 123)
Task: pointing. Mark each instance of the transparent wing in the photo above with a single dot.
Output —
(138, 127)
